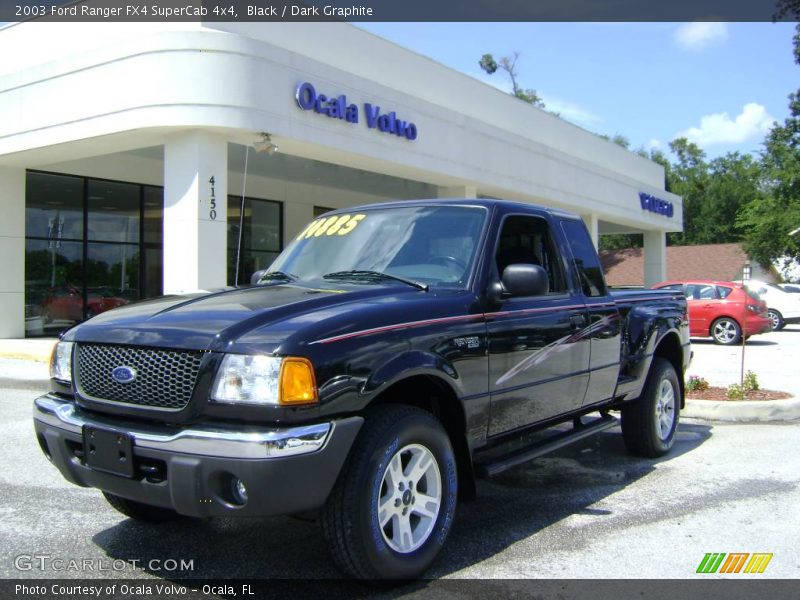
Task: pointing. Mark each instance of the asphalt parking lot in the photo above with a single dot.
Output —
(588, 511)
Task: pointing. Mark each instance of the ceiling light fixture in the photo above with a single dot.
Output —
(265, 144)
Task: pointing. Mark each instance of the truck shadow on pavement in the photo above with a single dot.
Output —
(513, 506)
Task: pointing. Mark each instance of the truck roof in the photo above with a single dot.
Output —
(482, 202)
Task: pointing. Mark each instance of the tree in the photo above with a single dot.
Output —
(768, 220)
(713, 192)
(620, 241)
(688, 178)
(787, 9)
(618, 139)
(509, 65)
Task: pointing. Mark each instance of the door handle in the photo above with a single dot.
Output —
(577, 321)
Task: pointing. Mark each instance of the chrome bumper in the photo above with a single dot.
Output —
(205, 441)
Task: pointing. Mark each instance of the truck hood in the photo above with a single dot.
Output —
(216, 321)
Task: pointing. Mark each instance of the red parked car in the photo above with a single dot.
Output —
(721, 309)
(65, 303)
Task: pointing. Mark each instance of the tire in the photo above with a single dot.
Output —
(649, 423)
(777, 319)
(726, 331)
(392, 440)
(139, 511)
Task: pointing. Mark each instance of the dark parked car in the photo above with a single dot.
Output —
(391, 354)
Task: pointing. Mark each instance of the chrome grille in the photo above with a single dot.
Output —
(164, 378)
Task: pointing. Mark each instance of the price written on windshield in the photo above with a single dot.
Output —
(335, 225)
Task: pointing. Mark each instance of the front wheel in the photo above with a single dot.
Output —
(726, 331)
(777, 319)
(649, 423)
(394, 502)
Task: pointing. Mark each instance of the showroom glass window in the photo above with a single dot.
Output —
(262, 235)
(91, 245)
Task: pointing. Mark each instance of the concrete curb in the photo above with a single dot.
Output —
(37, 350)
(743, 411)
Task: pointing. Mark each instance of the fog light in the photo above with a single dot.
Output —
(239, 491)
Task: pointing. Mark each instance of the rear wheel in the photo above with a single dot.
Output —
(140, 511)
(394, 502)
(726, 331)
(777, 319)
(649, 423)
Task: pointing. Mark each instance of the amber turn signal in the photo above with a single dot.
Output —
(297, 382)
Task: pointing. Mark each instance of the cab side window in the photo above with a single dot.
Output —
(527, 240)
(587, 264)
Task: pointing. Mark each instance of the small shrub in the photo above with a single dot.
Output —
(735, 392)
(697, 384)
(750, 382)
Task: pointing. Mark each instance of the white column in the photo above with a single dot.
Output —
(593, 225)
(12, 253)
(458, 191)
(655, 257)
(195, 212)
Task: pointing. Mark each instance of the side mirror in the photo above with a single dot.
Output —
(525, 280)
(255, 277)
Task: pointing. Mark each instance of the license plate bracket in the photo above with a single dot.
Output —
(107, 450)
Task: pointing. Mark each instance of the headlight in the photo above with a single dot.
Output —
(264, 380)
(61, 362)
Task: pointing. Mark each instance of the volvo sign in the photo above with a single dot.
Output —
(656, 205)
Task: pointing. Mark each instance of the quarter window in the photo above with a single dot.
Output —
(587, 264)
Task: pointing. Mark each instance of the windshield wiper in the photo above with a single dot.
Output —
(355, 274)
(278, 275)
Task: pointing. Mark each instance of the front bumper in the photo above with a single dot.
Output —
(193, 471)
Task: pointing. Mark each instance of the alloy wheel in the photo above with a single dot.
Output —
(410, 498)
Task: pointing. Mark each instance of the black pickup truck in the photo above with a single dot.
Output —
(390, 355)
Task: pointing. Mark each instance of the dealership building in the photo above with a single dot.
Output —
(126, 151)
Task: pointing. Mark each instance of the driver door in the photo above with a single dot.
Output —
(538, 366)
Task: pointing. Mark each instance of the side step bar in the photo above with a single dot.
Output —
(559, 440)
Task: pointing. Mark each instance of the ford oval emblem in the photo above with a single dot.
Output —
(123, 374)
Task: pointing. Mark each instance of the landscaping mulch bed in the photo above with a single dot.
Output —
(720, 393)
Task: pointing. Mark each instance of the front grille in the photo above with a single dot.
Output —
(164, 378)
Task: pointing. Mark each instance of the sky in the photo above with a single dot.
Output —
(721, 85)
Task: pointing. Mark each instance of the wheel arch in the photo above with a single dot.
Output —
(434, 395)
(670, 349)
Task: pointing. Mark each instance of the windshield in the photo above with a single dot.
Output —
(434, 245)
